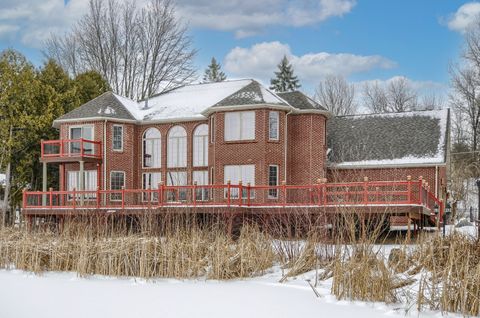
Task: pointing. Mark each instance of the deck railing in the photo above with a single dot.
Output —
(67, 148)
(367, 193)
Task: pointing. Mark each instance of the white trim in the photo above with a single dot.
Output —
(214, 109)
(278, 125)
(81, 126)
(113, 137)
(58, 122)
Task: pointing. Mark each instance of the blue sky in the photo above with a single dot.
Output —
(361, 39)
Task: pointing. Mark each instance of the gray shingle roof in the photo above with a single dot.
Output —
(392, 139)
(251, 94)
(105, 105)
(301, 101)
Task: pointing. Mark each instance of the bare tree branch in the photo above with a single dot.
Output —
(338, 96)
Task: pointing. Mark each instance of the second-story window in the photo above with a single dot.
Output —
(81, 132)
(117, 140)
(177, 147)
(273, 125)
(239, 126)
(151, 148)
(200, 146)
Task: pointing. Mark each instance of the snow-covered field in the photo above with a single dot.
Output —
(64, 295)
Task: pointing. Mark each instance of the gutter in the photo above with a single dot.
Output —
(436, 181)
(105, 155)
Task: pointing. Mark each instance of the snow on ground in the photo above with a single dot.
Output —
(65, 295)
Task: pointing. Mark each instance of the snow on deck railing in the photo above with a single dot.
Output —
(322, 194)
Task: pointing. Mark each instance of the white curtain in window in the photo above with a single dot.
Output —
(240, 126)
(90, 179)
(200, 146)
(235, 174)
(177, 147)
(152, 146)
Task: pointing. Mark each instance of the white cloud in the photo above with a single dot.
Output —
(464, 17)
(260, 61)
(249, 17)
(35, 20)
(7, 29)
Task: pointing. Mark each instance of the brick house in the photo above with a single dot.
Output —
(234, 132)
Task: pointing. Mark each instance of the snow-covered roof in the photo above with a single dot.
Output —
(394, 139)
(189, 102)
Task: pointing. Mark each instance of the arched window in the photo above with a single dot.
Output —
(177, 147)
(200, 146)
(152, 145)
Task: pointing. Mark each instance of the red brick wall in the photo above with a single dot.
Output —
(307, 148)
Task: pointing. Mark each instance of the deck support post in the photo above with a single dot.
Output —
(81, 177)
(409, 232)
(44, 183)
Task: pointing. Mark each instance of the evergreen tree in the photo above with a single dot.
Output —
(284, 80)
(89, 85)
(213, 73)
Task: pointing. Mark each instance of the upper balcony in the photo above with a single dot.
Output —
(71, 150)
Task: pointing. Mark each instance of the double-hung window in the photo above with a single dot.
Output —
(235, 174)
(239, 126)
(117, 138)
(273, 124)
(117, 182)
(273, 181)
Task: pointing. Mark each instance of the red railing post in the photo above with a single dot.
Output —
(61, 148)
(123, 197)
(248, 194)
(228, 192)
(365, 190)
(98, 197)
(51, 197)
(24, 198)
(160, 193)
(240, 193)
(81, 147)
(284, 191)
(74, 198)
(194, 193)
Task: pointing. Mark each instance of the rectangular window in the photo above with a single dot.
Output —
(117, 140)
(81, 132)
(90, 182)
(177, 178)
(239, 126)
(117, 182)
(150, 180)
(212, 129)
(201, 178)
(235, 174)
(273, 125)
(273, 181)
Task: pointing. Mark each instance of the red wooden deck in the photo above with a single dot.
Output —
(396, 196)
(66, 150)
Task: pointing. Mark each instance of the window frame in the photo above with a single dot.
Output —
(203, 192)
(277, 130)
(233, 194)
(241, 119)
(177, 148)
(154, 197)
(89, 145)
(271, 191)
(153, 141)
(212, 129)
(121, 188)
(121, 137)
(204, 145)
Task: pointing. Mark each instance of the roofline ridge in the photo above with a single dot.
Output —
(393, 113)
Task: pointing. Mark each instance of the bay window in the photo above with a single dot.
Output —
(239, 126)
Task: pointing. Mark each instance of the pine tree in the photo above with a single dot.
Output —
(284, 80)
(213, 73)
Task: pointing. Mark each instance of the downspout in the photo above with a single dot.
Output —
(286, 145)
(436, 181)
(105, 155)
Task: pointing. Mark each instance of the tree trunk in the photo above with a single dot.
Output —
(6, 196)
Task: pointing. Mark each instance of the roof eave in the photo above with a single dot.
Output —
(58, 122)
(382, 166)
(312, 111)
(214, 109)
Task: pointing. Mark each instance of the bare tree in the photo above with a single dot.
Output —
(397, 96)
(335, 94)
(140, 51)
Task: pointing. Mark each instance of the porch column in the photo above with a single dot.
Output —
(82, 179)
(44, 183)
